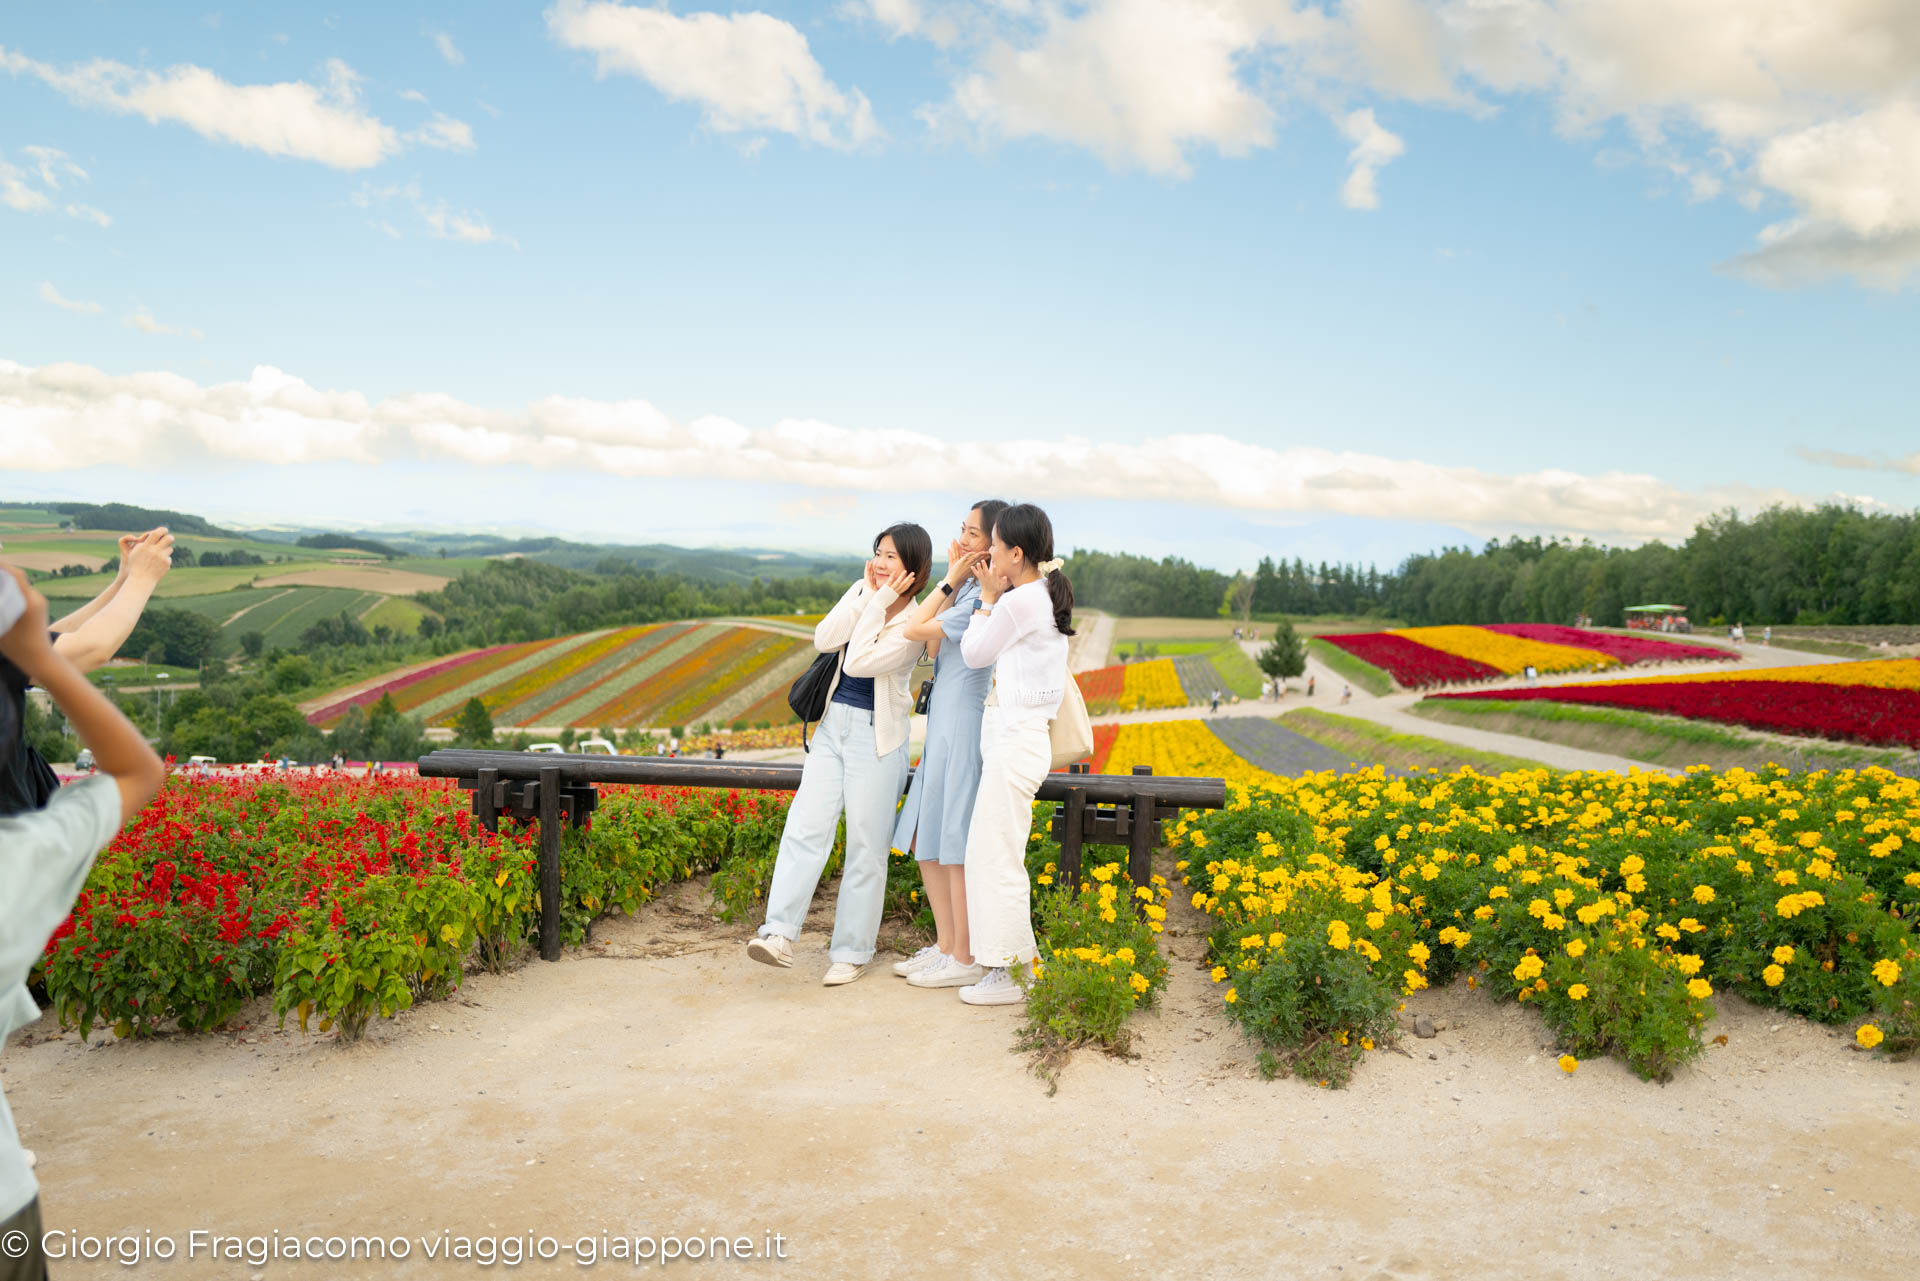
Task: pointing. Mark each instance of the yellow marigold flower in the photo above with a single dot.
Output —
(1783, 955)
(1773, 976)
(1419, 953)
(1690, 925)
(1125, 954)
(1699, 989)
(1337, 935)
(1366, 1043)
(1498, 891)
(1138, 982)
(1376, 919)
(1887, 972)
(1577, 948)
(1688, 965)
(1786, 876)
(1276, 941)
(1667, 932)
(1528, 969)
(1568, 1063)
(1414, 980)
(1199, 899)
(1251, 941)
(1703, 894)
(1231, 996)
(1578, 992)
(1868, 1036)
(1218, 973)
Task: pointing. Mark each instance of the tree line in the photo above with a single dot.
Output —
(1833, 564)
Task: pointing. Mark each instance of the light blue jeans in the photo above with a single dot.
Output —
(842, 772)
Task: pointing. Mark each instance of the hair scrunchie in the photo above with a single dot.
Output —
(1050, 566)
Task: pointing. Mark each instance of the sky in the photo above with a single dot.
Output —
(1211, 278)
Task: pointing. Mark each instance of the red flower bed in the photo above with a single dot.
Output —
(1103, 739)
(1857, 713)
(1102, 687)
(1628, 649)
(1409, 662)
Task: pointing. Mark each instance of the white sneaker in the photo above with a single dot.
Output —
(949, 973)
(995, 988)
(844, 972)
(920, 960)
(32, 1160)
(771, 950)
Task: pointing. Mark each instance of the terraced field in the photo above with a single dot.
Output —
(656, 675)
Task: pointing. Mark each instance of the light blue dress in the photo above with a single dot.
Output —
(939, 807)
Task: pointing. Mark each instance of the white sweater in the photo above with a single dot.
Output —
(1027, 650)
(877, 647)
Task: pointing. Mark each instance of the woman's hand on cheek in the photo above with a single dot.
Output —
(900, 582)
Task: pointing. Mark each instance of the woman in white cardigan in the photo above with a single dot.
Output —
(1020, 627)
(857, 761)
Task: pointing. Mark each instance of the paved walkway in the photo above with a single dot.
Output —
(1092, 641)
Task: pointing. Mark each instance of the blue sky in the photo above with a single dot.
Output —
(1211, 277)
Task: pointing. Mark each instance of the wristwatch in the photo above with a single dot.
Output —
(946, 587)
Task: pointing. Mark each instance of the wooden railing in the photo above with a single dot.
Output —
(1095, 809)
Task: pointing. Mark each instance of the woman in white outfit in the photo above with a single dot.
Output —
(1020, 628)
(857, 761)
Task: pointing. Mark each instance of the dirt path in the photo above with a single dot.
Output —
(1091, 642)
(663, 1084)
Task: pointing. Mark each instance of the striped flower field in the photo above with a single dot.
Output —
(652, 676)
(1418, 657)
(1875, 702)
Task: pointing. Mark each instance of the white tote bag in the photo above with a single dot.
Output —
(1070, 733)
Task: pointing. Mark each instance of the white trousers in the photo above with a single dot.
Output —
(1013, 763)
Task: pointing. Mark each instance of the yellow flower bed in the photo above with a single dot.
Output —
(1152, 684)
(1511, 654)
(1616, 904)
(1182, 749)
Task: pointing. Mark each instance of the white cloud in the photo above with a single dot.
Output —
(49, 294)
(413, 95)
(1808, 102)
(31, 188)
(292, 118)
(445, 133)
(442, 222)
(142, 319)
(747, 71)
(1373, 146)
(448, 50)
(58, 417)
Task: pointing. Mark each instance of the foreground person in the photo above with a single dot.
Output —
(938, 811)
(45, 856)
(857, 762)
(1020, 628)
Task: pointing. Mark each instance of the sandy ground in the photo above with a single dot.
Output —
(394, 582)
(1091, 642)
(50, 560)
(662, 1084)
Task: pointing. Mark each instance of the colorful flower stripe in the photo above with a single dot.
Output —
(669, 647)
(701, 679)
(1873, 673)
(1511, 654)
(1154, 683)
(636, 705)
(1412, 664)
(1199, 678)
(510, 703)
(332, 712)
(533, 657)
(1182, 749)
(1628, 649)
(1104, 737)
(419, 696)
(1875, 715)
(774, 671)
(1102, 688)
(774, 708)
(543, 708)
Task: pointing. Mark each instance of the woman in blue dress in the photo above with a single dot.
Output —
(939, 807)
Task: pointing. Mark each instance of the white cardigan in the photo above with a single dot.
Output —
(877, 647)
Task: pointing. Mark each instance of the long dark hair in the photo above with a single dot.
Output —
(989, 509)
(915, 549)
(1025, 526)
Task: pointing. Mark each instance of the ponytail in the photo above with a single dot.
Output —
(1025, 526)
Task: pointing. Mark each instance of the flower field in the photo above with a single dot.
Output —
(1875, 702)
(351, 899)
(1102, 688)
(657, 675)
(1417, 657)
(1132, 687)
(1616, 905)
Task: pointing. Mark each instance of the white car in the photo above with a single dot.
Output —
(595, 747)
(551, 748)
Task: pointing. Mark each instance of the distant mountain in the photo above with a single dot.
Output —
(121, 516)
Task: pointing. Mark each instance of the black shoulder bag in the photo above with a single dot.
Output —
(808, 697)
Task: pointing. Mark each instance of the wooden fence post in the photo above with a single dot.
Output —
(550, 833)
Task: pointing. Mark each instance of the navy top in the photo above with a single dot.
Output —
(855, 691)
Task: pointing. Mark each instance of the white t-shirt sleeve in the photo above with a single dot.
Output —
(45, 856)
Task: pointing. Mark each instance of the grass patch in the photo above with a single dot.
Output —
(1371, 744)
(1237, 670)
(1345, 665)
(142, 674)
(1658, 740)
(1831, 648)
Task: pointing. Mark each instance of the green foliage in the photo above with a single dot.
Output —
(474, 728)
(182, 638)
(1284, 655)
(1311, 1009)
